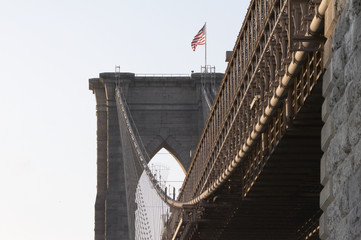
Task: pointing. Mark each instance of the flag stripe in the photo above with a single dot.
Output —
(199, 38)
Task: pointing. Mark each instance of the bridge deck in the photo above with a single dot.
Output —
(285, 195)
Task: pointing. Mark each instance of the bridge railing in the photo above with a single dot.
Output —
(260, 69)
(161, 75)
(251, 85)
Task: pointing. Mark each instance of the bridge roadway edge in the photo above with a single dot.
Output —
(285, 182)
(340, 171)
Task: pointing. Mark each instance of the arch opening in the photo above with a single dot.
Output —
(152, 213)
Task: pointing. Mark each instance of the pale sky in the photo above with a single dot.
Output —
(48, 51)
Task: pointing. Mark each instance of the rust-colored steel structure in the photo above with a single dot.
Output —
(255, 172)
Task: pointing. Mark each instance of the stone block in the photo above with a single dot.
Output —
(324, 231)
(356, 161)
(327, 84)
(355, 222)
(323, 170)
(327, 52)
(326, 196)
(330, 18)
(325, 112)
(355, 31)
(341, 232)
(348, 44)
(341, 6)
(335, 152)
(354, 125)
(332, 218)
(353, 77)
(343, 26)
(339, 114)
(338, 63)
(340, 187)
(354, 189)
(337, 91)
(327, 132)
(352, 67)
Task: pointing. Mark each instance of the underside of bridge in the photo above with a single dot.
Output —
(283, 202)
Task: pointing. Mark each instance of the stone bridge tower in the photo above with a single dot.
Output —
(168, 111)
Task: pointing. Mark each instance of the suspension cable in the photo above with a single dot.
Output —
(286, 80)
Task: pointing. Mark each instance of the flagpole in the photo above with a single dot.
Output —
(205, 48)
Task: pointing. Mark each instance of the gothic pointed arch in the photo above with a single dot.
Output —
(172, 146)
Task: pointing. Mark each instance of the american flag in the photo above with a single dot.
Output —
(199, 38)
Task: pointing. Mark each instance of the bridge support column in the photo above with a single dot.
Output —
(167, 112)
(116, 204)
(99, 91)
(111, 217)
(341, 138)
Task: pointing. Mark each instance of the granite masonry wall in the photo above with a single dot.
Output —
(340, 198)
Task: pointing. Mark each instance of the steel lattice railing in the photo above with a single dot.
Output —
(253, 102)
(265, 59)
(275, 64)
